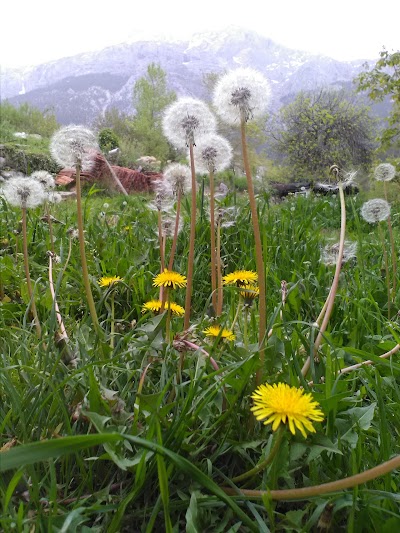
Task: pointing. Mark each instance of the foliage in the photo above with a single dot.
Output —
(29, 155)
(28, 119)
(322, 128)
(108, 140)
(150, 97)
(116, 442)
(381, 81)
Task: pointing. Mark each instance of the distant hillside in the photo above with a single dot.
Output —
(78, 88)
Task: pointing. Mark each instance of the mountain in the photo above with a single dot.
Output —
(78, 88)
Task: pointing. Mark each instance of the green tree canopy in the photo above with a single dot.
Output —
(383, 80)
(321, 128)
(29, 119)
(150, 97)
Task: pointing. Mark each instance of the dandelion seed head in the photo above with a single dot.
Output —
(213, 154)
(168, 226)
(375, 210)
(53, 197)
(330, 253)
(74, 144)
(24, 192)
(385, 172)
(243, 93)
(186, 120)
(179, 178)
(45, 178)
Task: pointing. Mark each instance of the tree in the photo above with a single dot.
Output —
(29, 119)
(321, 128)
(150, 97)
(108, 140)
(384, 81)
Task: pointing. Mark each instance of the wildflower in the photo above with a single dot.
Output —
(45, 178)
(169, 279)
(384, 172)
(178, 177)
(222, 333)
(213, 154)
(155, 306)
(74, 144)
(124, 204)
(73, 233)
(243, 93)
(106, 205)
(241, 278)
(226, 216)
(23, 192)
(168, 226)
(162, 201)
(250, 293)
(330, 253)
(185, 120)
(375, 210)
(280, 403)
(108, 280)
(53, 197)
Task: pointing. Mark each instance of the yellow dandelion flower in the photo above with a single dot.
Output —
(241, 278)
(251, 292)
(155, 306)
(280, 403)
(169, 279)
(217, 331)
(108, 280)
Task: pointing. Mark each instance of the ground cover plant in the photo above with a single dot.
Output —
(114, 416)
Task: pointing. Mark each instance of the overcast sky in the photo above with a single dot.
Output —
(36, 31)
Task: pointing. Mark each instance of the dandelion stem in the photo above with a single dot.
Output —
(27, 274)
(53, 295)
(176, 229)
(263, 465)
(160, 240)
(333, 290)
(168, 322)
(219, 270)
(212, 244)
(318, 490)
(386, 261)
(85, 273)
(112, 331)
(189, 286)
(392, 245)
(259, 253)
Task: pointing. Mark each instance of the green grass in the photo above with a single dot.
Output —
(95, 448)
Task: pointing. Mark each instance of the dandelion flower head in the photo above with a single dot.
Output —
(213, 154)
(169, 279)
(186, 120)
(217, 331)
(24, 192)
(179, 178)
(243, 93)
(250, 293)
(375, 210)
(330, 253)
(384, 172)
(45, 178)
(155, 307)
(109, 280)
(241, 278)
(74, 144)
(280, 403)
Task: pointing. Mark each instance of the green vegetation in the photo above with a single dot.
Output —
(118, 443)
(321, 127)
(383, 80)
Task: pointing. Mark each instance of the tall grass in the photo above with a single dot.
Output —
(112, 441)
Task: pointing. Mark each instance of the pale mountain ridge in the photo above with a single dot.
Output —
(80, 87)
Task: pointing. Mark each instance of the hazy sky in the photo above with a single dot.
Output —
(36, 31)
